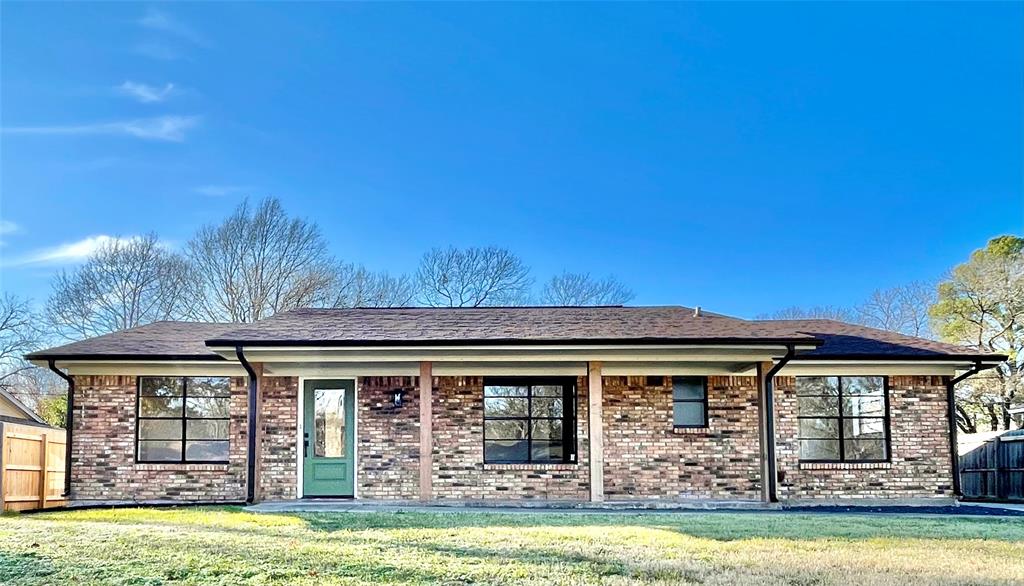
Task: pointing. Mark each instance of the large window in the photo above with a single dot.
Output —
(183, 419)
(529, 420)
(689, 401)
(843, 419)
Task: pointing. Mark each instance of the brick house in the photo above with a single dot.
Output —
(612, 404)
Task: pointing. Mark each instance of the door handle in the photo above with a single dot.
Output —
(305, 445)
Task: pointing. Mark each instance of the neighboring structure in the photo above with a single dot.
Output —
(598, 404)
(14, 411)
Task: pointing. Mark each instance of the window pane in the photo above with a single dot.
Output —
(207, 429)
(505, 451)
(159, 407)
(817, 385)
(160, 429)
(818, 406)
(547, 391)
(873, 449)
(547, 407)
(819, 449)
(819, 428)
(209, 386)
(689, 413)
(161, 386)
(328, 423)
(547, 429)
(863, 385)
(206, 451)
(505, 429)
(687, 387)
(160, 451)
(864, 405)
(208, 407)
(544, 451)
(506, 407)
(505, 391)
(863, 428)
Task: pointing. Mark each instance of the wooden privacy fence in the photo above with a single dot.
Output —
(995, 470)
(31, 466)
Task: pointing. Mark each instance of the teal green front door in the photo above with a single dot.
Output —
(328, 434)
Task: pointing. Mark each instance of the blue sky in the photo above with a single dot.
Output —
(743, 157)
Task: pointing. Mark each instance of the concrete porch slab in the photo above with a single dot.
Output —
(374, 506)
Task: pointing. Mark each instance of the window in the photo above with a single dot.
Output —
(843, 419)
(183, 419)
(529, 420)
(689, 401)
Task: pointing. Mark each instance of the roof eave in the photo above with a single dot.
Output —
(220, 343)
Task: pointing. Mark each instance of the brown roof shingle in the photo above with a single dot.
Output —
(498, 325)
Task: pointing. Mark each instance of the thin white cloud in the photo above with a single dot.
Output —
(8, 227)
(220, 190)
(160, 21)
(161, 128)
(145, 93)
(70, 252)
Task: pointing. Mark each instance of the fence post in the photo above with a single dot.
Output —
(42, 470)
(998, 479)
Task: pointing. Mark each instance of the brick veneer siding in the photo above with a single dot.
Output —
(389, 439)
(645, 458)
(103, 464)
(278, 429)
(920, 466)
(459, 471)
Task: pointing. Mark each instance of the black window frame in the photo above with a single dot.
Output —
(841, 418)
(183, 418)
(703, 401)
(570, 396)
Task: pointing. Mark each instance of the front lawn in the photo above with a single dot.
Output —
(226, 545)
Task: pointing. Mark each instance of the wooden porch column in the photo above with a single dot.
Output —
(426, 430)
(595, 420)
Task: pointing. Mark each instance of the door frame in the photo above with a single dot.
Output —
(300, 411)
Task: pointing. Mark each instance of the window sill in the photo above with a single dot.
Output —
(221, 467)
(845, 465)
(690, 430)
(568, 466)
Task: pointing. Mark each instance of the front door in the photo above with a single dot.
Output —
(328, 434)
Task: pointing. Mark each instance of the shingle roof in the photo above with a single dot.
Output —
(499, 325)
(162, 339)
(843, 340)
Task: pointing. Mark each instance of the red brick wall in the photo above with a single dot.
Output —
(389, 439)
(278, 428)
(459, 471)
(646, 459)
(103, 464)
(920, 466)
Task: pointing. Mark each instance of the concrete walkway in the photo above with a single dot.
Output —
(644, 507)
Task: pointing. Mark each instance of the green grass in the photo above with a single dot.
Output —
(226, 545)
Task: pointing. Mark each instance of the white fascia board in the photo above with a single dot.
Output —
(511, 354)
(151, 367)
(873, 368)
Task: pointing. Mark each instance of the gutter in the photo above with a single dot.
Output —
(69, 424)
(954, 456)
(769, 423)
(250, 484)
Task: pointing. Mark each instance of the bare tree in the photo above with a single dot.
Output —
(18, 336)
(901, 309)
(125, 283)
(360, 287)
(579, 289)
(257, 262)
(817, 312)
(472, 277)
